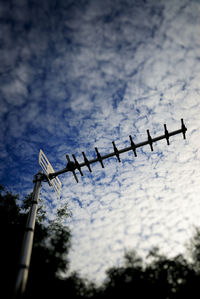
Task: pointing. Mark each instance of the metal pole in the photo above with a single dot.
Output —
(28, 241)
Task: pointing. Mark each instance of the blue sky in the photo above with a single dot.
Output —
(79, 74)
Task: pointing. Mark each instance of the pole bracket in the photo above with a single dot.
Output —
(40, 176)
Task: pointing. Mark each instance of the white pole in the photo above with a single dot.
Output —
(27, 244)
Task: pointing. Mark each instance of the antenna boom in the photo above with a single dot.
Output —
(118, 152)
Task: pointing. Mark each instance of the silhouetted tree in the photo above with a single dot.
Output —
(127, 281)
(159, 277)
(12, 224)
(167, 277)
(49, 255)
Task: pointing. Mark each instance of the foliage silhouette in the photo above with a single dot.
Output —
(10, 223)
(159, 277)
(49, 255)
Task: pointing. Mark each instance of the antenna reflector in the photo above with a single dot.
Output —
(47, 168)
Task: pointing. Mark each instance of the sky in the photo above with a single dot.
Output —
(75, 75)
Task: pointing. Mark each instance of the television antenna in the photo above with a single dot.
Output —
(74, 165)
(51, 176)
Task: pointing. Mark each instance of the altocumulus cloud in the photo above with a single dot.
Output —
(75, 75)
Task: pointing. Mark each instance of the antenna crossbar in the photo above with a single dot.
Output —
(71, 166)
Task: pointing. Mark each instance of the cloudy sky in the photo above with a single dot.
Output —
(75, 75)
